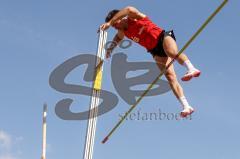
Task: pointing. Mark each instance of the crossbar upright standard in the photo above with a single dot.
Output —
(92, 119)
(44, 132)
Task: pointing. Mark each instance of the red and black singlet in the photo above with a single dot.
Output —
(144, 32)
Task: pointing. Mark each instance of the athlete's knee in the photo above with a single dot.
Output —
(171, 77)
(171, 51)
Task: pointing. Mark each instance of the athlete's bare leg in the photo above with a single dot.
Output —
(171, 49)
(171, 76)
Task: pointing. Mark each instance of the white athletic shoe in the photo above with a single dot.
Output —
(187, 111)
(190, 74)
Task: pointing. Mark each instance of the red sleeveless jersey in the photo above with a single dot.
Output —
(144, 32)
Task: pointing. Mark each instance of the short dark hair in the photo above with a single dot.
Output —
(111, 15)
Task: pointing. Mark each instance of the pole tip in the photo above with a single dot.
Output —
(45, 107)
(105, 140)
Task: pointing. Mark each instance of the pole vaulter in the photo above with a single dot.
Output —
(117, 21)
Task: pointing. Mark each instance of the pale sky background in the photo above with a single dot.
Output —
(37, 36)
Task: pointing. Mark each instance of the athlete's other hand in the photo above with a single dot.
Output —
(108, 53)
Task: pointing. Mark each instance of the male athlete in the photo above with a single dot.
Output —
(161, 44)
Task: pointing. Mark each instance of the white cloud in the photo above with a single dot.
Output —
(5, 140)
(8, 146)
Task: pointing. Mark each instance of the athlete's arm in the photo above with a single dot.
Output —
(116, 40)
(129, 11)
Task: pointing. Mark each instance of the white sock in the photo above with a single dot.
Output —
(184, 102)
(189, 65)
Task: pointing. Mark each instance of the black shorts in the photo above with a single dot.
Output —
(158, 50)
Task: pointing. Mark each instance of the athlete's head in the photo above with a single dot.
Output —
(111, 15)
(117, 24)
